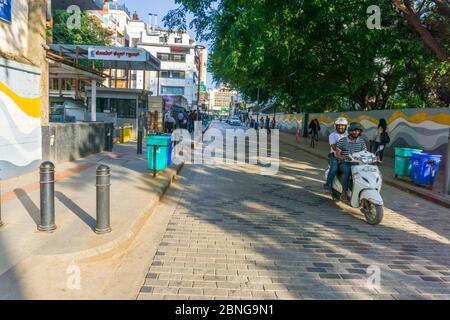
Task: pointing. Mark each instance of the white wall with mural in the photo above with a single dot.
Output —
(427, 129)
(20, 120)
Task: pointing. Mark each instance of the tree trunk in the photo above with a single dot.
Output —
(425, 35)
(443, 8)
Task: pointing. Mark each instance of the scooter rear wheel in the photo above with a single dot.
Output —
(373, 212)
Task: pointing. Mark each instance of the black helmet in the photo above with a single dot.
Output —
(355, 126)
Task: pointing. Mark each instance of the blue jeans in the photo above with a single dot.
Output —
(346, 171)
(316, 135)
(334, 165)
(379, 153)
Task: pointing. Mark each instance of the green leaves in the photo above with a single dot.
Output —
(318, 54)
(90, 32)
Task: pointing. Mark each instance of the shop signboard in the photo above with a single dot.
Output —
(116, 54)
(185, 50)
(5, 10)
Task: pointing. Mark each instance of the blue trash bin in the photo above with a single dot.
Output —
(169, 152)
(424, 168)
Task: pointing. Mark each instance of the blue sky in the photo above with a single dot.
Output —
(161, 8)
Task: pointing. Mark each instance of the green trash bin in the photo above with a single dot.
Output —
(162, 147)
(402, 164)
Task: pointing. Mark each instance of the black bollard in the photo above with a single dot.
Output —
(103, 185)
(139, 142)
(47, 189)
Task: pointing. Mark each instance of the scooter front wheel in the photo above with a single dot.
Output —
(373, 212)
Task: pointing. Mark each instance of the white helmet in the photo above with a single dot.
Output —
(341, 121)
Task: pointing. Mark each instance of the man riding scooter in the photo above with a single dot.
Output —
(340, 132)
(346, 146)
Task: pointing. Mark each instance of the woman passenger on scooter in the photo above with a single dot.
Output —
(347, 146)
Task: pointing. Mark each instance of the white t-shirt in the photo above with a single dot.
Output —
(335, 137)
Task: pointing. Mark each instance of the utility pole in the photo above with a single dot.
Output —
(197, 48)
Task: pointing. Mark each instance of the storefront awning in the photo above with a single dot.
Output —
(109, 57)
(61, 70)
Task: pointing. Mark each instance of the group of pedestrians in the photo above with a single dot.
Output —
(182, 120)
(262, 123)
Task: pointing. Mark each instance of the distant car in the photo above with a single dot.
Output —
(234, 121)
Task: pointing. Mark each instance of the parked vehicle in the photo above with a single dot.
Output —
(234, 121)
(365, 186)
(66, 113)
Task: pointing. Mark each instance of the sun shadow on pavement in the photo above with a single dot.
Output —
(32, 209)
(77, 210)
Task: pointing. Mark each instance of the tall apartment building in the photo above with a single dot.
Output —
(114, 18)
(178, 79)
(221, 100)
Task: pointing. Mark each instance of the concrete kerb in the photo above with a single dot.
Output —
(404, 187)
(123, 241)
(392, 182)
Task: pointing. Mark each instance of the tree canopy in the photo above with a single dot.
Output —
(89, 32)
(320, 54)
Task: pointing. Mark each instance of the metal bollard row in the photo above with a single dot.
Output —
(47, 198)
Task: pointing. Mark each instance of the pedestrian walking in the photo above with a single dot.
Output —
(180, 117)
(185, 119)
(314, 129)
(170, 122)
(268, 124)
(191, 120)
(166, 121)
(381, 139)
(298, 125)
(318, 129)
(252, 122)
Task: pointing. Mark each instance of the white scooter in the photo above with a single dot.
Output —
(365, 186)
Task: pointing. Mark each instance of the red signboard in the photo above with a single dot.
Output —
(185, 50)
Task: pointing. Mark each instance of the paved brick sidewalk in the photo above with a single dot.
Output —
(238, 235)
(33, 265)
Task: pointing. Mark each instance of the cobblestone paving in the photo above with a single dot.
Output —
(236, 234)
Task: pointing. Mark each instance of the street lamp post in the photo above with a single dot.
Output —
(197, 48)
